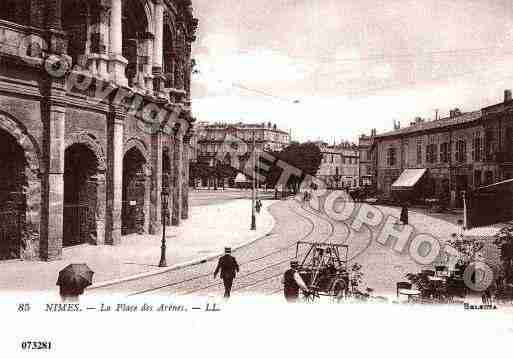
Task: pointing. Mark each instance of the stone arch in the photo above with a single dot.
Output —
(92, 143)
(135, 209)
(31, 188)
(140, 145)
(15, 128)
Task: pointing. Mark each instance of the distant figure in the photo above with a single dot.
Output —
(258, 205)
(229, 267)
(292, 281)
(404, 214)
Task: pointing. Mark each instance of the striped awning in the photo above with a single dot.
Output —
(409, 178)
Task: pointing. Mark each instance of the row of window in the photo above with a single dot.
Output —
(343, 160)
(435, 153)
(245, 135)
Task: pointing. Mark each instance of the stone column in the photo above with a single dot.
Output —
(156, 183)
(101, 197)
(147, 198)
(34, 41)
(147, 63)
(50, 247)
(159, 35)
(117, 62)
(185, 183)
(56, 38)
(115, 127)
(158, 45)
(177, 179)
(98, 58)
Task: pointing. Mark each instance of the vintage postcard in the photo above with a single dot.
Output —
(262, 178)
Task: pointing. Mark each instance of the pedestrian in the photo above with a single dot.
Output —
(228, 267)
(292, 282)
(258, 205)
(404, 214)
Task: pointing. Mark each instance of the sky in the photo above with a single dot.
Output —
(335, 69)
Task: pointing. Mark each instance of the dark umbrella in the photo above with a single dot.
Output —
(75, 277)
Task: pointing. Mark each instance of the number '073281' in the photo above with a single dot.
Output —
(36, 345)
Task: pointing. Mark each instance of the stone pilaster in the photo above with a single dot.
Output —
(50, 246)
(185, 181)
(101, 199)
(156, 183)
(177, 179)
(147, 198)
(117, 63)
(114, 175)
(187, 71)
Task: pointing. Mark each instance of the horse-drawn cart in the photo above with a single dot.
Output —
(323, 268)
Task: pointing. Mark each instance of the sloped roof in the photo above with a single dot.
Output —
(431, 125)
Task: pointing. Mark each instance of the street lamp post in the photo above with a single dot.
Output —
(253, 194)
(165, 204)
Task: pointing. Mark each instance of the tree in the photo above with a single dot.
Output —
(304, 156)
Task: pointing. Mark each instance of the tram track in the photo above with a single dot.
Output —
(259, 274)
(243, 275)
(160, 283)
(277, 275)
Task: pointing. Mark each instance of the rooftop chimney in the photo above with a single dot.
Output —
(507, 95)
(454, 113)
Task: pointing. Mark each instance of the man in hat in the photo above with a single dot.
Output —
(292, 281)
(229, 267)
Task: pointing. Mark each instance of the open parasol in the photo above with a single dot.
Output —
(75, 277)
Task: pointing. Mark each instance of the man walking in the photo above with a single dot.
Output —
(229, 267)
(404, 214)
(292, 281)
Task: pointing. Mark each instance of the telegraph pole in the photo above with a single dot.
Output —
(253, 194)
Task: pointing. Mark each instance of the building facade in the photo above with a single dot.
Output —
(460, 153)
(209, 137)
(339, 165)
(366, 160)
(208, 141)
(94, 120)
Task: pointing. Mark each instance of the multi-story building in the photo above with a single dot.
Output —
(88, 91)
(339, 165)
(209, 138)
(366, 162)
(447, 156)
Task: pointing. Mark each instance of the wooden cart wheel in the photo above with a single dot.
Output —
(309, 297)
(339, 290)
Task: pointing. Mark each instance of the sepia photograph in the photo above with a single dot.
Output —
(256, 178)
